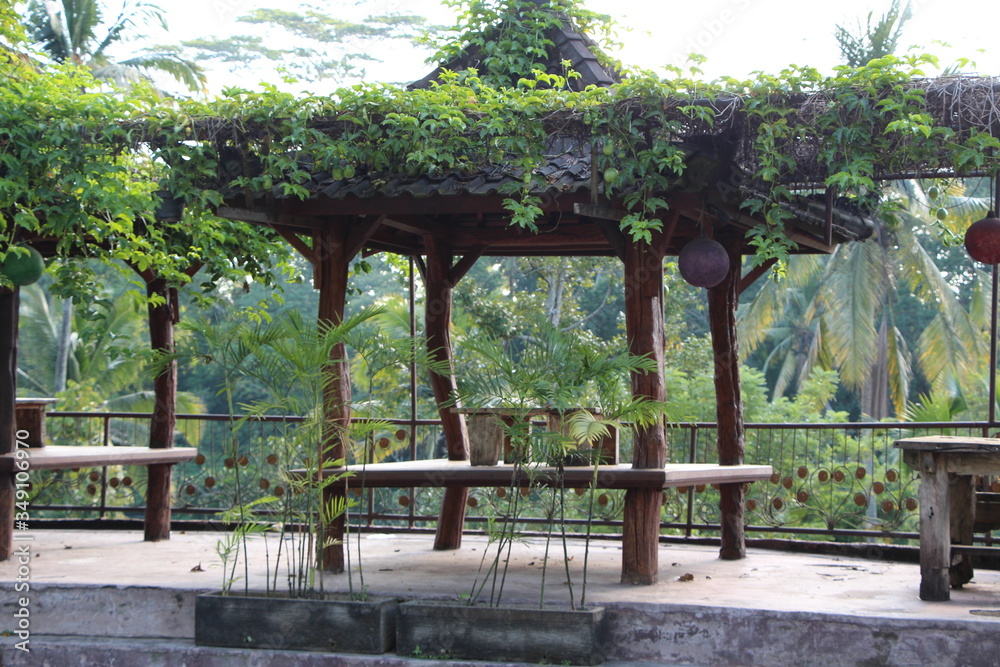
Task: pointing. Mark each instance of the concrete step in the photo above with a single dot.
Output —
(143, 626)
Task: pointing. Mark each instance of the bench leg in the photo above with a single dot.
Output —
(157, 520)
(9, 300)
(935, 532)
(6, 515)
(962, 506)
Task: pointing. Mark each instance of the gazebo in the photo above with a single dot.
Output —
(446, 221)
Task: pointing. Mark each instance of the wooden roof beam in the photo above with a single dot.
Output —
(266, 217)
(404, 205)
(608, 220)
(296, 242)
(751, 276)
(361, 233)
(416, 224)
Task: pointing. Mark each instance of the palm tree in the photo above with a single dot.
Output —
(78, 31)
(106, 355)
(788, 319)
(873, 41)
(844, 313)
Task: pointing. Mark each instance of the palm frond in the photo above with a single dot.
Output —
(145, 401)
(898, 360)
(853, 297)
(185, 71)
(774, 300)
(82, 18)
(131, 16)
(941, 351)
(873, 40)
(938, 406)
(786, 375)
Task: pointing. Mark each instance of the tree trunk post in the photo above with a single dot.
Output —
(722, 302)
(645, 331)
(332, 260)
(162, 317)
(437, 320)
(9, 299)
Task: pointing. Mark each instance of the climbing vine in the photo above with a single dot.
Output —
(84, 166)
(76, 178)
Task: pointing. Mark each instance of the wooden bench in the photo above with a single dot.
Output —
(445, 473)
(437, 473)
(59, 457)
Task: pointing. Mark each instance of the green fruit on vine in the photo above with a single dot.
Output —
(608, 148)
(23, 269)
(933, 192)
(942, 214)
(610, 175)
(337, 174)
(349, 171)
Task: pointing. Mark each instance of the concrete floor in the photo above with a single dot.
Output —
(407, 566)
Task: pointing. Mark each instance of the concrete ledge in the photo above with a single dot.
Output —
(703, 635)
(155, 626)
(50, 651)
(104, 611)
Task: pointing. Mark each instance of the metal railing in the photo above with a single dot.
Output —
(832, 481)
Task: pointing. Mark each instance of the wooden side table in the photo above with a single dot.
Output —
(947, 465)
(29, 414)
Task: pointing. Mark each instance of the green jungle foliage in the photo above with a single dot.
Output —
(87, 165)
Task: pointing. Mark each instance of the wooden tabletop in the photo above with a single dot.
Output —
(950, 443)
(60, 457)
(445, 473)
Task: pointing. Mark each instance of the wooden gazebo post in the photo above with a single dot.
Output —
(441, 276)
(331, 263)
(9, 299)
(162, 318)
(722, 302)
(644, 329)
(333, 248)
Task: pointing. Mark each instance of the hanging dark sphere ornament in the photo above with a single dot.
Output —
(982, 240)
(703, 262)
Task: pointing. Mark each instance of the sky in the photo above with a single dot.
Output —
(738, 37)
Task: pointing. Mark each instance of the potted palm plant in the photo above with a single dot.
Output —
(552, 372)
(289, 357)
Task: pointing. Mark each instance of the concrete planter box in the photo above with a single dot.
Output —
(505, 634)
(335, 624)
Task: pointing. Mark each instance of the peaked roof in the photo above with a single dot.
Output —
(568, 44)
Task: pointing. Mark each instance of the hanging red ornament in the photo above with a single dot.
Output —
(982, 239)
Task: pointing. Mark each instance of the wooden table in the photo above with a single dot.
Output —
(947, 465)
